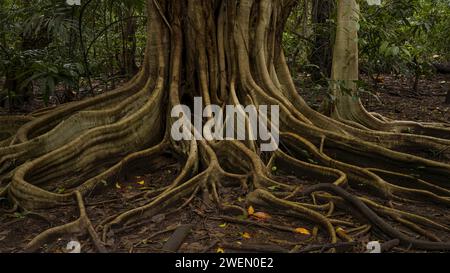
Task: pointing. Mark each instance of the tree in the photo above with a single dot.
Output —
(127, 58)
(322, 53)
(346, 105)
(227, 52)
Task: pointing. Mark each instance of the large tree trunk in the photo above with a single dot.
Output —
(226, 52)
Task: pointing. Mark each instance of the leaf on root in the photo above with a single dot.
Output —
(303, 231)
(251, 210)
(220, 250)
(261, 216)
(141, 183)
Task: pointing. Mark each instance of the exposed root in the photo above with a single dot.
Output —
(265, 199)
(377, 220)
(81, 226)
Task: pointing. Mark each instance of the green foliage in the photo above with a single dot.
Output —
(31, 67)
(41, 49)
(40, 42)
(400, 36)
(296, 40)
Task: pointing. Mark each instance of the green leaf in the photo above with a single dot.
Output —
(383, 47)
(60, 190)
(395, 50)
(274, 188)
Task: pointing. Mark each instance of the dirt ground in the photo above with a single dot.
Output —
(393, 97)
(211, 231)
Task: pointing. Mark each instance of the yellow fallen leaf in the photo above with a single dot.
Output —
(246, 235)
(343, 234)
(339, 229)
(224, 225)
(118, 186)
(141, 182)
(261, 216)
(220, 250)
(303, 231)
(251, 210)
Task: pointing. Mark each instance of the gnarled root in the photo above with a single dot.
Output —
(81, 226)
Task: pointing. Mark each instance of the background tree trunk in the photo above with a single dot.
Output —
(322, 52)
(127, 60)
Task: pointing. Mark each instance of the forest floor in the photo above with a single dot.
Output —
(394, 97)
(266, 231)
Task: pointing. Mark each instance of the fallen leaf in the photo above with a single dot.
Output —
(224, 225)
(118, 186)
(141, 182)
(339, 229)
(220, 250)
(251, 210)
(342, 233)
(246, 235)
(303, 231)
(261, 216)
